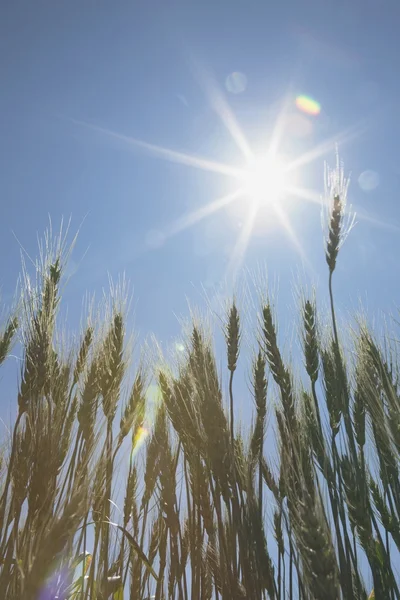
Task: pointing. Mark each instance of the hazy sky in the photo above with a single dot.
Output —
(161, 72)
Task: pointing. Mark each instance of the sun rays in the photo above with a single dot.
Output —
(219, 104)
(264, 179)
(196, 216)
(174, 156)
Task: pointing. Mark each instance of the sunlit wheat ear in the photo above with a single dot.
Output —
(240, 459)
(269, 479)
(310, 339)
(151, 470)
(337, 216)
(379, 374)
(21, 468)
(113, 366)
(130, 495)
(83, 353)
(388, 520)
(88, 406)
(134, 412)
(254, 531)
(260, 397)
(357, 503)
(156, 533)
(332, 389)
(205, 502)
(207, 390)
(166, 470)
(360, 403)
(313, 430)
(6, 338)
(388, 463)
(280, 373)
(206, 579)
(39, 319)
(98, 490)
(316, 550)
(233, 335)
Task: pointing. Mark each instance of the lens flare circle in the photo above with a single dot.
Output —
(308, 105)
(368, 180)
(236, 83)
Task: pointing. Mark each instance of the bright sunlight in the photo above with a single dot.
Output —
(264, 180)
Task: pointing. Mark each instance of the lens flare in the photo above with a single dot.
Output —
(308, 105)
(88, 562)
(368, 181)
(140, 437)
(236, 83)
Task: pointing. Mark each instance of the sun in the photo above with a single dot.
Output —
(264, 180)
(262, 193)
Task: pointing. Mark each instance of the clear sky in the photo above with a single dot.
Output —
(73, 73)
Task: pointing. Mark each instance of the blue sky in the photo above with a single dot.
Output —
(139, 69)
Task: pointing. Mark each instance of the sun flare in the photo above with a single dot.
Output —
(264, 180)
(263, 192)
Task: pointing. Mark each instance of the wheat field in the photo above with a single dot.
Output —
(97, 504)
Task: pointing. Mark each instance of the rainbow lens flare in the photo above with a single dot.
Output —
(88, 562)
(308, 105)
(140, 437)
